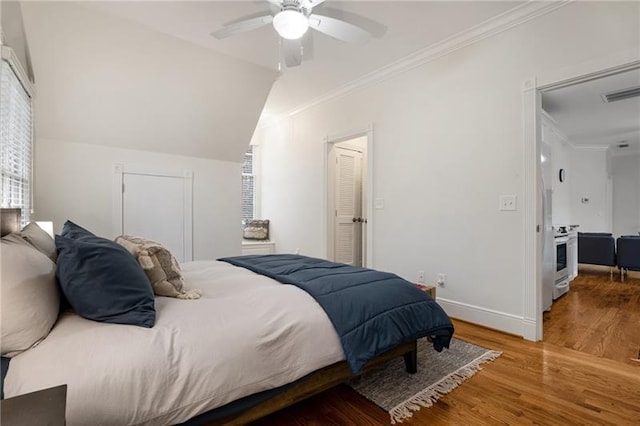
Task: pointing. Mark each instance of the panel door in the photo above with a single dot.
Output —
(153, 208)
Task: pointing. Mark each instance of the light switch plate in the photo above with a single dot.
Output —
(508, 202)
(379, 203)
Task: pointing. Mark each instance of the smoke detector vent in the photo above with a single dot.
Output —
(620, 95)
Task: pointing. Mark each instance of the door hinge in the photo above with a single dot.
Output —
(123, 188)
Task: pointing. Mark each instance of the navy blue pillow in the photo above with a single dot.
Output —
(101, 280)
(76, 232)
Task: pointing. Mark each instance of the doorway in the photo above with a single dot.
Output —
(534, 224)
(593, 133)
(346, 182)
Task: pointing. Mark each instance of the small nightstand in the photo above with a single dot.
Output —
(258, 247)
(431, 290)
(43, 407)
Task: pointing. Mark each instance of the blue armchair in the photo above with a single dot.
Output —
(597, 248)
(628, 254)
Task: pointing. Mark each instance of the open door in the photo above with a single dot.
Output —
(347, 192)
(349, 220)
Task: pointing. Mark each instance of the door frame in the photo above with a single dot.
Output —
(532, 89)
(328, 143)
(119, 170)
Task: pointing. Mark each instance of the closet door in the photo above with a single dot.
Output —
(158, 207)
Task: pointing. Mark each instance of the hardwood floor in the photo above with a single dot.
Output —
(540, 383)
(598, 316)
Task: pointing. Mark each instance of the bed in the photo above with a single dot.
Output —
(247, 347)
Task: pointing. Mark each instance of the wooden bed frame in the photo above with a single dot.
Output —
(312, 384)
(319, 381)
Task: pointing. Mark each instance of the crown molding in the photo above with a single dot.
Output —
(496, 25)
(9, 55)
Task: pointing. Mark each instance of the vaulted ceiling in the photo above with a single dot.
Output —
(101, 79)
(402, 28)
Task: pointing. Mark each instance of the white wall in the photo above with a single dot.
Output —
(447, 143)
(589, 179)
(560, 159)
(110, 90)
(626, 194)
(611, 182)
(75, 181)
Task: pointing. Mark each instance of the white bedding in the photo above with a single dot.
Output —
(246, 334)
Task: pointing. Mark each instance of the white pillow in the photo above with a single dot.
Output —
(29, 295)
(39, 238)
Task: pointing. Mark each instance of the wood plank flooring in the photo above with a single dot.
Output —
(598, 316)
(543, 383)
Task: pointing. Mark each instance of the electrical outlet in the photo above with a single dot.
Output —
(508, 203)
(421, 277)
(441, 280)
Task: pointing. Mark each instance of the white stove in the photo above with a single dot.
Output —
(566, 261)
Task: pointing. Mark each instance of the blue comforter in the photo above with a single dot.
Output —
(372, 311)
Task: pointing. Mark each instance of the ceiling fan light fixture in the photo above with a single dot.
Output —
(291, 24)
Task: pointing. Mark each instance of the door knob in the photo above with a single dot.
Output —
(354, 220)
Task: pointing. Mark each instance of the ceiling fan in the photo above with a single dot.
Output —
(292, 20)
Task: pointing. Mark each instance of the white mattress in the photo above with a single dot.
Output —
(246, 334)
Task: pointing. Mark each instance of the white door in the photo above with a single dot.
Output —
(153, 207)
(348, 223)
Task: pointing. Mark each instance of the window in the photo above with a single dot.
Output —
(16, 138)
(248, 185)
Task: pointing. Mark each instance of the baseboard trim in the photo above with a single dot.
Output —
(497, 320)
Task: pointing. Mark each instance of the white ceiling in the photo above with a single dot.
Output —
(410, 27)
(587, 120)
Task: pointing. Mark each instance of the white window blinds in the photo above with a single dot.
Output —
(16, 135)
(248, 186)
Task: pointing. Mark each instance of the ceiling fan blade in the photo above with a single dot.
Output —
(292, 52)
(242, 26)
(338, 29)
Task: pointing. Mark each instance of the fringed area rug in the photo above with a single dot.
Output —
(400, 393)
